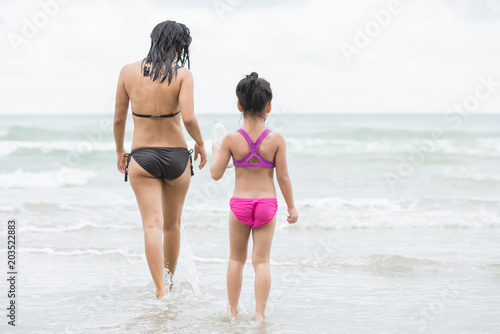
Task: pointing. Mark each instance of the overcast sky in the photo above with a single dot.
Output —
(363, 56)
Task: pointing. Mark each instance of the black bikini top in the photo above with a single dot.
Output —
(155, 116)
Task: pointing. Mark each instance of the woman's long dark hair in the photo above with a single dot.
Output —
(169, 40)
(254, 94)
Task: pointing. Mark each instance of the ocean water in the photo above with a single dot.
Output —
(399, 230)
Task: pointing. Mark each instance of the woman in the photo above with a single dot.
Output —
(160, 90)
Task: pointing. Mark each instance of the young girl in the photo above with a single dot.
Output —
(256, 151)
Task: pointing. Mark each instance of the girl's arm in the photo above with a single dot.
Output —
(221, 156)
(190, 122)
(121, 109)
(284, 179)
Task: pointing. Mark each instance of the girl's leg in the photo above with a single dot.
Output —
(174, 192)
(238, 244)
(148, 191)
(262, 239)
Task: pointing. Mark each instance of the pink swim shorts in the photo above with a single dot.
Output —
(254, 212)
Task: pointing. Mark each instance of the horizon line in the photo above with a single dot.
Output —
(436, 113)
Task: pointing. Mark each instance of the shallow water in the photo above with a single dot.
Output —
(416, 257)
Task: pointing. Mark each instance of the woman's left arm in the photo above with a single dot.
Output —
(220, 158)
(121, 110)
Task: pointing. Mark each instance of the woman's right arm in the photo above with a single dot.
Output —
(284, 179)
(121, 109)
(186, 103)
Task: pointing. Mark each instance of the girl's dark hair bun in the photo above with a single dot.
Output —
(254, 94)
(253, 75)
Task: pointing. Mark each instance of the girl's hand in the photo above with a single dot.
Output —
(121, 161)
(199, 149)
(292, 216)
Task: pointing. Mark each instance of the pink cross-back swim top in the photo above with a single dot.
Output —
(254, 152)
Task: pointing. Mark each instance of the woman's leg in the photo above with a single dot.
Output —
(148, 192)
(238, 244)
(173, 195)
(262, 238)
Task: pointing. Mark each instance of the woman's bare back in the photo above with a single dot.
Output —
(149, 97)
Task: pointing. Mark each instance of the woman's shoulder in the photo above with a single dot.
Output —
(184, 72)
(131, 67)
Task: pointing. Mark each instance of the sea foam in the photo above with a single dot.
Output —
(56, 178)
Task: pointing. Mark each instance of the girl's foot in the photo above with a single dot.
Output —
(259, 317)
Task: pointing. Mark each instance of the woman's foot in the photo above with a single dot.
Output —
(161, 293)
(259, 317)
(234, 313)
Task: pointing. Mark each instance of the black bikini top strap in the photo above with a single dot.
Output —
(170, 115)
(154, 116)
(128, 156)
(143, 116)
